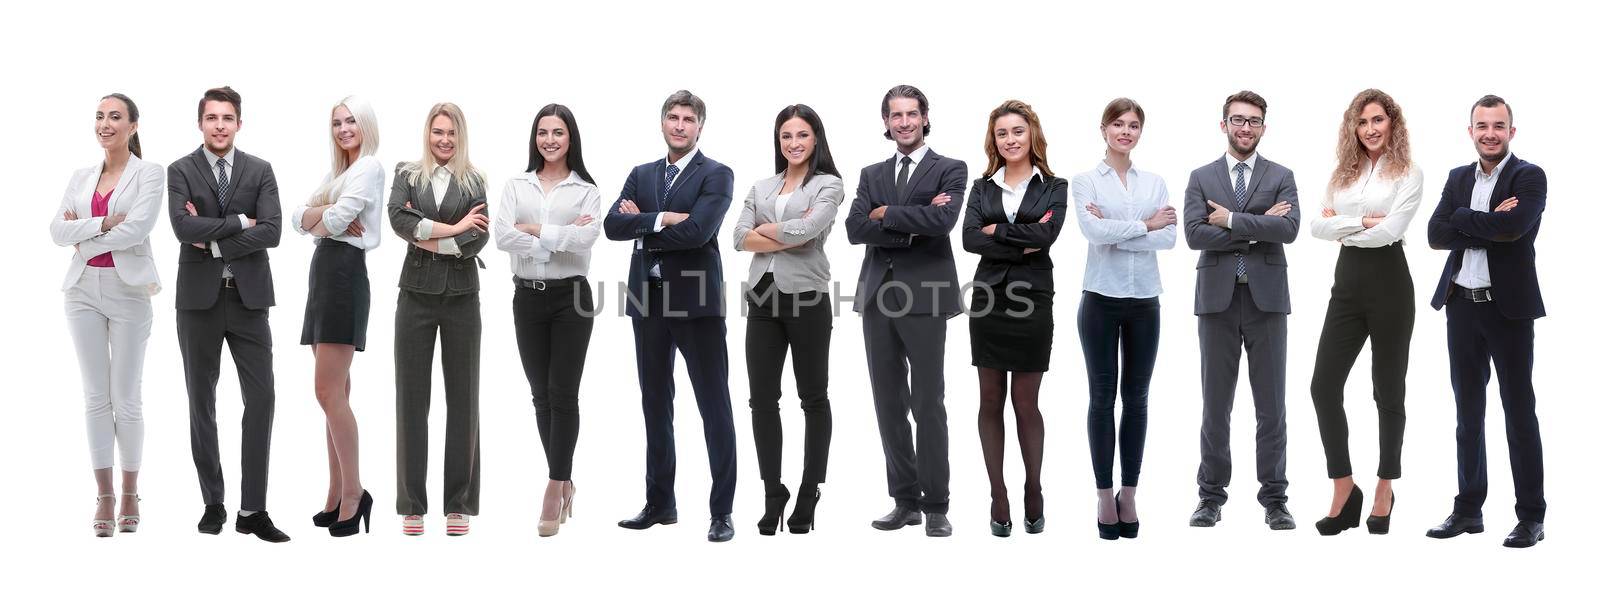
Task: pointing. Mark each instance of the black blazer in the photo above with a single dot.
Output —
(924, 262)
(1003, 260)
(691, 262)
(424, 271)
(252, 192)
(1506, 237)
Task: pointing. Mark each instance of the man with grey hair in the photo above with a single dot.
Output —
(672, 210)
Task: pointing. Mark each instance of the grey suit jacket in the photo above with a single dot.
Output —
(913, 239)
(804, 267)
(424, 271)
(252, 192)
(1264, 262)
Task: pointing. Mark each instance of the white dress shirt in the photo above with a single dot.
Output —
(1249, 170)
(561, 250)
(244, 222)
(916, 160)
(1011, 196)
(1122, 253)
(360, 196)
(1474, 272)
(1373, 193)
(440, 183)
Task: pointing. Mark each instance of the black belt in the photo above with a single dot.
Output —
(227, 282)
(545, 284)
(1475, 295)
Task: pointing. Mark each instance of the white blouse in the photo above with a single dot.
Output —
(360, 197)
(561, 249)
(1122, 253)
(1011, 196)
(1371, 194)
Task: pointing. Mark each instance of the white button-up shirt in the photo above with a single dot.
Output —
(1373, 193)
(1474, 272)
(440, 184)
(360, 196)
(1122, 253)
(1011, 196)
(562, 249)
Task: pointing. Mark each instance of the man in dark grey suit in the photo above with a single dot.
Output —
(224, 208)
(1239, 211)
(904, 210)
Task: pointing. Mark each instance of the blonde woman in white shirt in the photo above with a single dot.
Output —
(344, 215)
(1372, 196)
(106, 216)
(1124, 213)
(548, 223)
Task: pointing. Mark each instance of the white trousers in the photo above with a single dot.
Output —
(110, 324)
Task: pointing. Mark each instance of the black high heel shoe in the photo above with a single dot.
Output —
(352, 526)
(324, 519)
(1379, 524)
(1348, 517)
(772, 520)
(1128, 530)
(803, 519)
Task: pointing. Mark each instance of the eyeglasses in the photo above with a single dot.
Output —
(1240, 121)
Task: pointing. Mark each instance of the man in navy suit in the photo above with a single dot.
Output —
(672, 209)
(1488, 219)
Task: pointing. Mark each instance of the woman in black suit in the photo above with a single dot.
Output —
(1014, 213)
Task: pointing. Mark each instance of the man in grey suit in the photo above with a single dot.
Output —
(904, 210)
(224, 209)
(1239, 211)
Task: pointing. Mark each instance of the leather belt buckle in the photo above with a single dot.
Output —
(227, 282)
(1478, 295)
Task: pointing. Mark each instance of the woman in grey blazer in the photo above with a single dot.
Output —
(437, 206)
(786, 220)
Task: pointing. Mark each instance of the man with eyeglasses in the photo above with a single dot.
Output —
(1238, 212)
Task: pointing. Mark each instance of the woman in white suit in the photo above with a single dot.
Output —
(106, 216)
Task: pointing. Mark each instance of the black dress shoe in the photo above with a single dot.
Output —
(211, 522)
(1525, 535)
(721, 529)
(649, 516)
(1278, 517)
(1206, 514)
(1456, 525)
(938, 526)
(902, 516)
(259, 524)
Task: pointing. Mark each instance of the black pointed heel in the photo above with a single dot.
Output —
(324, 519)
(352, 526)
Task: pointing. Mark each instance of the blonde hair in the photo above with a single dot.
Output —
(1036, 142)
(460, 166)
(368, 123)
(1352, 154)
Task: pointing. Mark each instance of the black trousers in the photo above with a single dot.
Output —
(201, 334)
(454, 320)
(1372, 298)
(553, 327)
(1108, 326)
(918, 473)
(703, 341)
(780, 323)
(1478, 335)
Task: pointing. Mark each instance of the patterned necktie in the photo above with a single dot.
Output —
(222, 183)
(672, 174)
(905, 174)
(1238, 203)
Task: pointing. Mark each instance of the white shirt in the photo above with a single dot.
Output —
(1122, 254)
(1474, 272)
(1373, 193)
(916, 160)
(561, 250)
(244, 222)
(778, 206)
(440, 183)
(360, 197)
(1233, 182)
(1011, 196)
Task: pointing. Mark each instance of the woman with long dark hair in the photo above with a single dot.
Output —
(785, 222)
(548, 223)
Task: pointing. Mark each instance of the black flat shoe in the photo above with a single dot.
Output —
(1379, 524)
(1348, 515)
(649, 516)
(803, 519)
(1525, 535)
(1278, 517)
(721, 529)
(938, 526)
(1456, 525)
(211, 521)
(261, 526)
(1206, 514)
(352, 526)
(324, 519)
(901, 516)
(772, 521)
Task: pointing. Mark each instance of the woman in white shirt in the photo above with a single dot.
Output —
(344, 215)
(106, 216)
(548, 223)
(1124, 213)
(1372, 196)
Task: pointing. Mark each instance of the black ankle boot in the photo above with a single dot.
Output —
(772, 520)
(803, 519)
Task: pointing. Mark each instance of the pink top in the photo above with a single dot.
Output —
(100, 206)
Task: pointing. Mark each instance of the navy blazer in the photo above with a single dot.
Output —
(913, 239)
(1506, 237)
(691, 263)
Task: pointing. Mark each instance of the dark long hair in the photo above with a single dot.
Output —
(133, 117)
(574, 150)
(821, 157)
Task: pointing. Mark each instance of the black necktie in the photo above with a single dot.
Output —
(222, 183)
(905, 174)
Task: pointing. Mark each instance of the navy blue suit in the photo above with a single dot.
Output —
(1498, 331)
(681, 310)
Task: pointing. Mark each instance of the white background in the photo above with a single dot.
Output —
(613, 64)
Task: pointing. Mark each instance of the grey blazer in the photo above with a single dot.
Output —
(424, 271)
(252, 192)
(804, 267)
(1264, 262)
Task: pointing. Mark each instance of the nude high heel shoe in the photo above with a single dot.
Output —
(104, 528)
(129, 523)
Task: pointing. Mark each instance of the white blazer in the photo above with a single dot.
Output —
(139, 195)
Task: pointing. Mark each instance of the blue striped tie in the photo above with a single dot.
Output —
(1238, 202)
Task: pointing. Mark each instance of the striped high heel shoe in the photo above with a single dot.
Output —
(411, 525)
(129, 524)
(104, 528)
(457, 524)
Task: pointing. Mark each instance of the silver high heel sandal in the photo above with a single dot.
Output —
(104, 528)
(129, 524)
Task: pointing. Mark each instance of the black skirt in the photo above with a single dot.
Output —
(338, 296)
(1011, 331)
